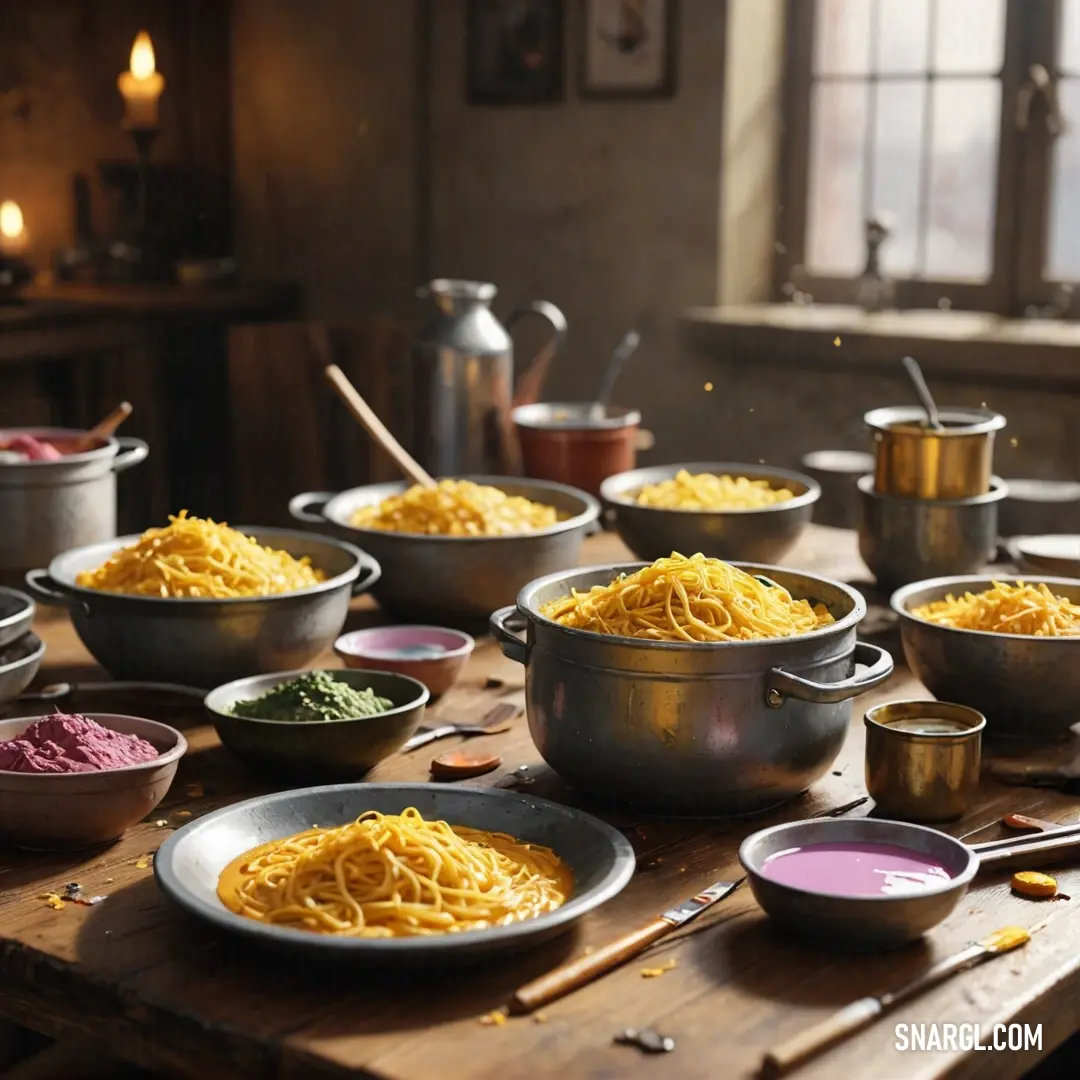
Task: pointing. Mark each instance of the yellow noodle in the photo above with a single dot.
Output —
(196, 557)
(705, 491)
(695, 599)
(394, 875)
(456, 508)
(1021, 608)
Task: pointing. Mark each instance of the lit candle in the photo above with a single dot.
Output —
(141, 86)
(13, 236)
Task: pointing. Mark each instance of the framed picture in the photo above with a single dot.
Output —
(514, 52)
(628, 49)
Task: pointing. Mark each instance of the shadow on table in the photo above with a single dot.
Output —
(757, 957)
(141, 944)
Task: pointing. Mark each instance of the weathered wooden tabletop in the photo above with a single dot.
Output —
(138, 979)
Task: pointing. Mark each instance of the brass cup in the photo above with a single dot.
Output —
(914, 461)
(923, 776)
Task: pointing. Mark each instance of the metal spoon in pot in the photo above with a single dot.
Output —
(623, 351)
(923, 392)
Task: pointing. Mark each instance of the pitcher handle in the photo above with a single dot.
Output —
(532, 380)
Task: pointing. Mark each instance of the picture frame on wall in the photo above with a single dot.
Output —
(628, 49)
(514, 52)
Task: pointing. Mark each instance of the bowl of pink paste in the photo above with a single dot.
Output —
(857, 883)
(70, 781)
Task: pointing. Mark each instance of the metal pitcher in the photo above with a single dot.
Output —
(463, 380)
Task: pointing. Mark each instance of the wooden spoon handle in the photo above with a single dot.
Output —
(363, 412)
(104, 429)
(811, 1042)
(584, 969)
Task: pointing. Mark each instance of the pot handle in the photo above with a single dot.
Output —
(45, 589)
(374, 572)
(780, 683)
(308, 506)
(531, 381)
(131, 452)
(506, 630)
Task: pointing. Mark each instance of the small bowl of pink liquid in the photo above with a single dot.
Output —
(435, 655)
(857, 883)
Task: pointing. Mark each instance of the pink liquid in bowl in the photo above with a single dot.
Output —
(855, 869)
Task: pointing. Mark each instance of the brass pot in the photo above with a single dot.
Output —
(922, 758)
(913, 461)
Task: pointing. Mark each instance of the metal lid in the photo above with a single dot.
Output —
(958, 420)
(574, 416)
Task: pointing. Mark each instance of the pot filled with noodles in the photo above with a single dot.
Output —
(690, 686)
(200, 603)
(1006, 646)
(453, 553)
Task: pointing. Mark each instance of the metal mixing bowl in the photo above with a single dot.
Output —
(16, 615)
(763, 535)
(19, 663)
(1025, 686)
(204, 642)
(457, 580)
(319, 748)
(699, 729)
(903, 540)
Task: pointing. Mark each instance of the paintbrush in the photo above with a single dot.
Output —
(860, 1014)
(575, 973)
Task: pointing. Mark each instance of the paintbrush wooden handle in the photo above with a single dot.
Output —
(578, 972)
(365, 414)
(807, 1044)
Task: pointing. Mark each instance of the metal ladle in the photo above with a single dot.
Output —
(911, 365)
(623, 351)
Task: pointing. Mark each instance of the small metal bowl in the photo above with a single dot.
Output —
(903, 540)
(858, 922)
(922, 758)
(763, 535)
(19, 663)
(319, 748)
(16, 615)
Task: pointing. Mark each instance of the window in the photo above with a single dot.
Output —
(957, 124)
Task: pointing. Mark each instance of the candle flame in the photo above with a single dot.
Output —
(11, 220)
(142, 56)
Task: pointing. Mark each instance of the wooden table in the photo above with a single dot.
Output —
(133, 977)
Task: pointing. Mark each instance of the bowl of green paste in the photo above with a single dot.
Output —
(318, 723)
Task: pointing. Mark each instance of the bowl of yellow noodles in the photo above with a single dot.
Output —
(452, 554)
(201, 603)
(394, 872)
(729, 511)
(1006, 646)
(690, 686)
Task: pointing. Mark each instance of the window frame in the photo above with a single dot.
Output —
(1024, 162)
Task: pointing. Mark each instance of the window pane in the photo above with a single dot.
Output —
(970, 36)
(837, 162)
(963, 178)
(1064, 253)
(902, 36)
(842, 37)
(1069, 57)
(898, 131)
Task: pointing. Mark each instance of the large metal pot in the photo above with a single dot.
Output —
(913, 461)
(49, 507)
(698, 730)
(457, 579)
(207, 642)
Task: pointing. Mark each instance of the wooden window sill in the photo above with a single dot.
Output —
(961, 345)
